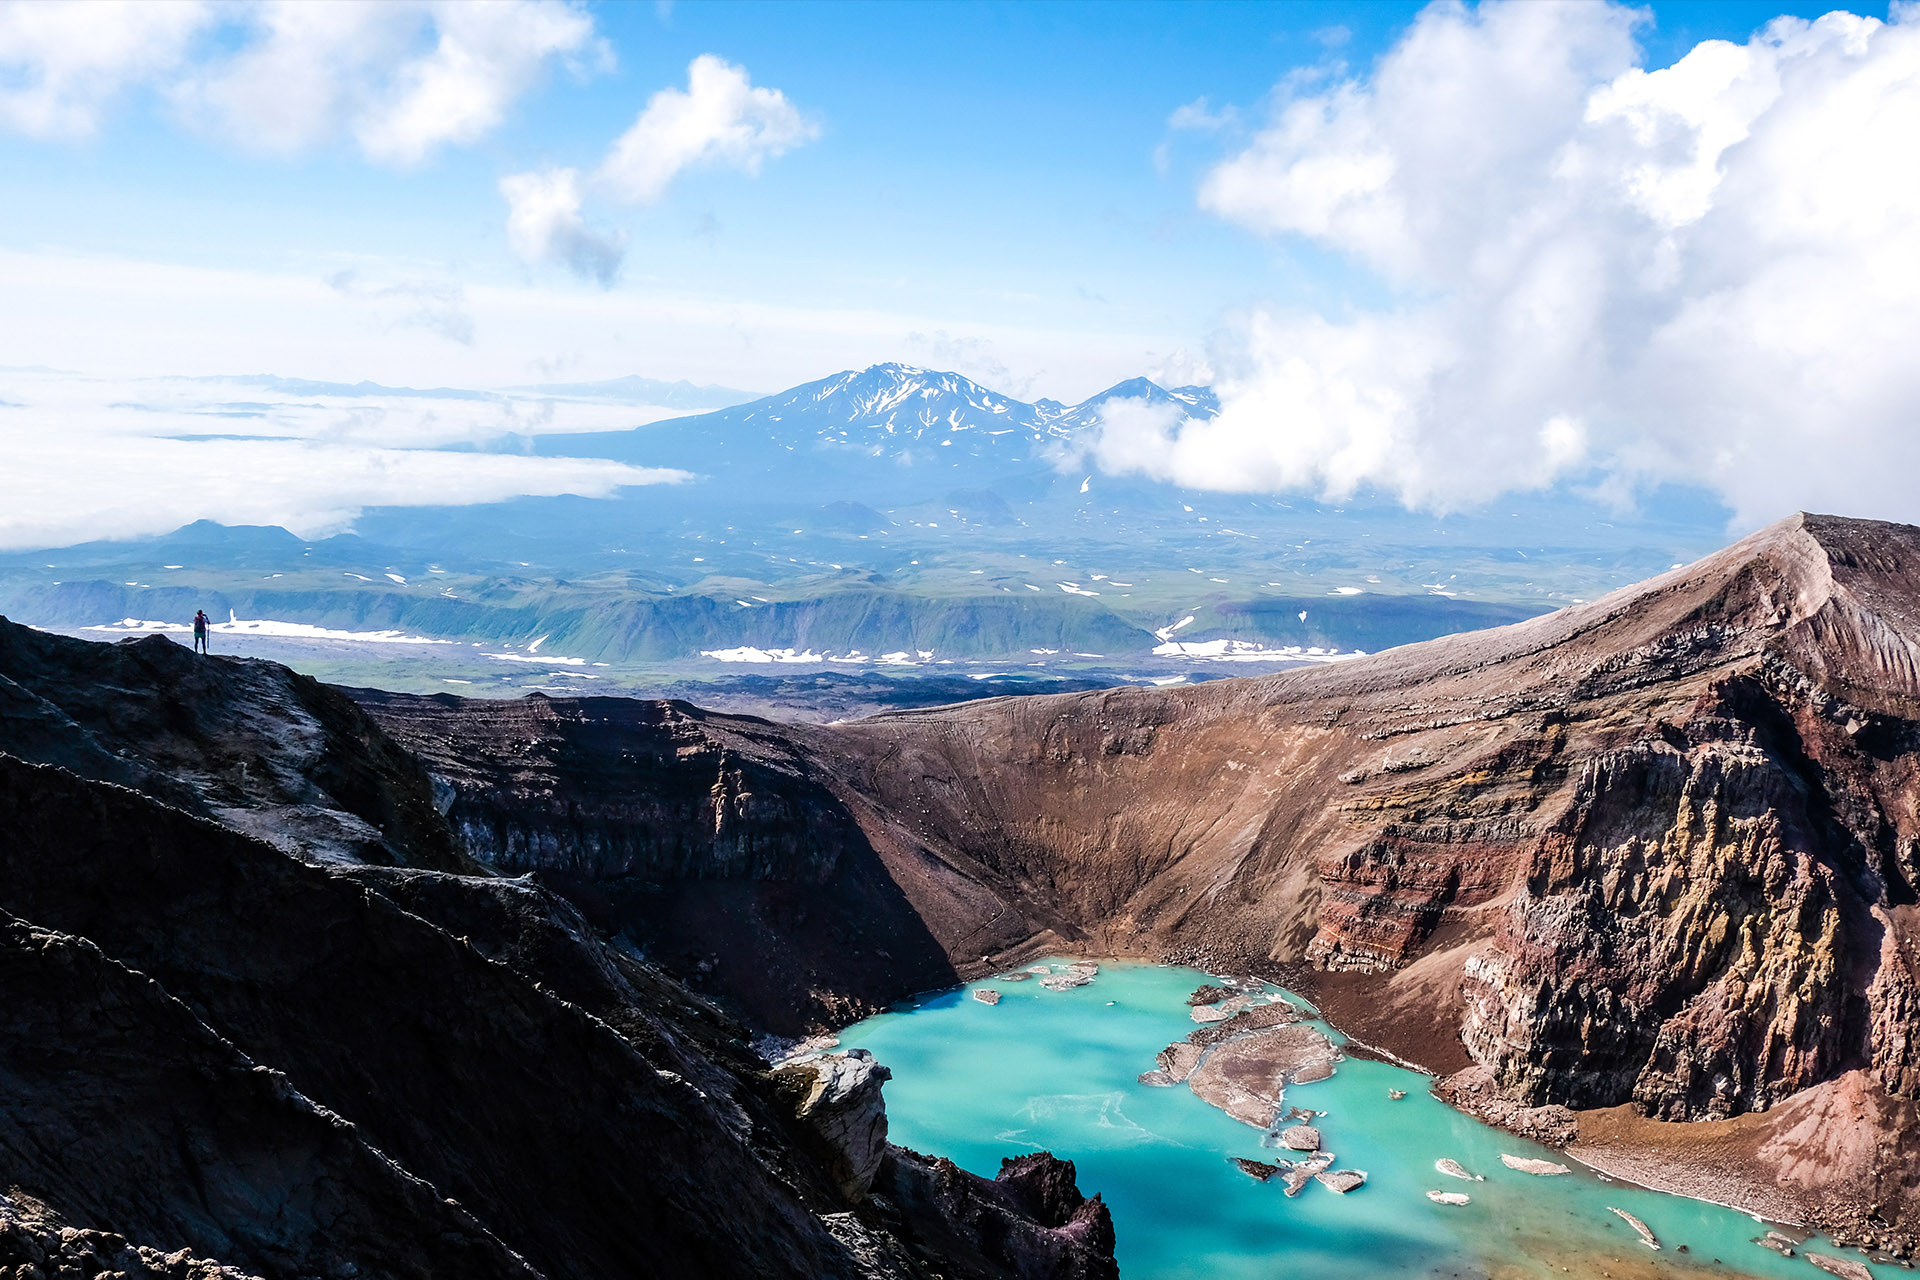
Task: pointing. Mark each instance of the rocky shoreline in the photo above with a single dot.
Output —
(1255, 1041)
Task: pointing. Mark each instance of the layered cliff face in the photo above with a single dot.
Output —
(712, 842)
(219, 1059)
(1658, 850)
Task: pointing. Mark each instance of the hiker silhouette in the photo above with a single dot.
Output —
(201, 625)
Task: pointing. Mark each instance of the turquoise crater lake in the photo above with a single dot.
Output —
(1056, 1070)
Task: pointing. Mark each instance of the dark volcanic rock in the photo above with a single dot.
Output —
(706, 839)
(106, 1069)
(36, 1242)
(1031, 1219)
(1658, 852)
(208, 1045)
(250, 743)
(1660, 849)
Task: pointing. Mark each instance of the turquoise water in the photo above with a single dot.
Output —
(1056, 1071)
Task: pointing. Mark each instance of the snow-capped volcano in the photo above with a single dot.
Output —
(1195, 402)
(896, 403)
(935, 425)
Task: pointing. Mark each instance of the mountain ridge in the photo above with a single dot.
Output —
(1655, 851)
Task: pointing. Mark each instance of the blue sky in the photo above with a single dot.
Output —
(977, 164)
(1443, 251)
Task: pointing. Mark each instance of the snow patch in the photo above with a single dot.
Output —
(273, 627)
(1248, 651)
(1166, 633)
(749, 653)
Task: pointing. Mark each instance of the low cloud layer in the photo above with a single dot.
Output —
(721, 119)
(1707, 273)
(159, 453)
(401, 78)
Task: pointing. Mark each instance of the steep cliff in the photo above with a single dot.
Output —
(712, 842)
(213, 1054)
(1655, 859)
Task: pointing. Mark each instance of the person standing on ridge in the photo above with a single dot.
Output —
(200, 628)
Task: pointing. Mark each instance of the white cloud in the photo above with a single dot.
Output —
(1198, 115)
(401, 78)
(90, 458)
(720, 118)
(544, 224)
(120, 316)
(62, 65)
(484, 56)
(1707, 273)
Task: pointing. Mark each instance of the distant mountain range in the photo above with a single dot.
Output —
(889, 518)
(924, 426)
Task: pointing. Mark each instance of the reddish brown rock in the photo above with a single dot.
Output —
(1660, 850)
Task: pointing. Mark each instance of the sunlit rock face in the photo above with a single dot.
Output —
(1660, 848)
(838, 1096)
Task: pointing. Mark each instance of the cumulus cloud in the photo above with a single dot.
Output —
(1708, 272)
(544, 224)
(62, 65)
(401, 79)
(720, 119)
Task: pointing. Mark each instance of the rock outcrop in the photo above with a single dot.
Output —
(838, 1096)
(1031, 1220)
(35, 1242)
(709, 841)
(248, 743)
